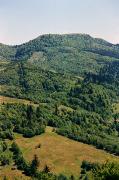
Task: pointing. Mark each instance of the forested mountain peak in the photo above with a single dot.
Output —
(67, 53)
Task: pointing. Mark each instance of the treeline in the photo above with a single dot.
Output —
(92, 121)
(90, 136)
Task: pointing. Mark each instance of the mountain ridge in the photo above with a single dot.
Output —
(70, 53)
(63, 34)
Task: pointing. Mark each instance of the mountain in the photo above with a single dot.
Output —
(67, 82)
(70, 53)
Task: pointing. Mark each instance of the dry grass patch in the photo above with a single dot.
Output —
(65, 108)
(3, 61)
(116, 108)
(12, 174)
(5, 100)
(61, 154)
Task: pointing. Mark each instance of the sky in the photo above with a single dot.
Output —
(23, 20)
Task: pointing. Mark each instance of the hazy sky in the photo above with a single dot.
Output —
(22, 20)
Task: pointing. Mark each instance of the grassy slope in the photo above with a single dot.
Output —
(60, 153)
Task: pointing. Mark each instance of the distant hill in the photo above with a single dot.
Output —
(70, 53)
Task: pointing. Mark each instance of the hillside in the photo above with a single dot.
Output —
(22, 80)
(91, 103)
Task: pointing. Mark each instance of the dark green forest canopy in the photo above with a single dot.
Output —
(25, 81)
(109, 74)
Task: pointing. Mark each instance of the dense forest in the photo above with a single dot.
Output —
(73, 80)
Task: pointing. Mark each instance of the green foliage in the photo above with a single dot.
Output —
(5, 160)
(34, 165)
(21, 119)
(7, 52)
(91, 128)
(101, 171)
(26, 81)
(3, 146)
(108, 76)
(107, 171)
(93, 98)
(5, 156)
(46, 169)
